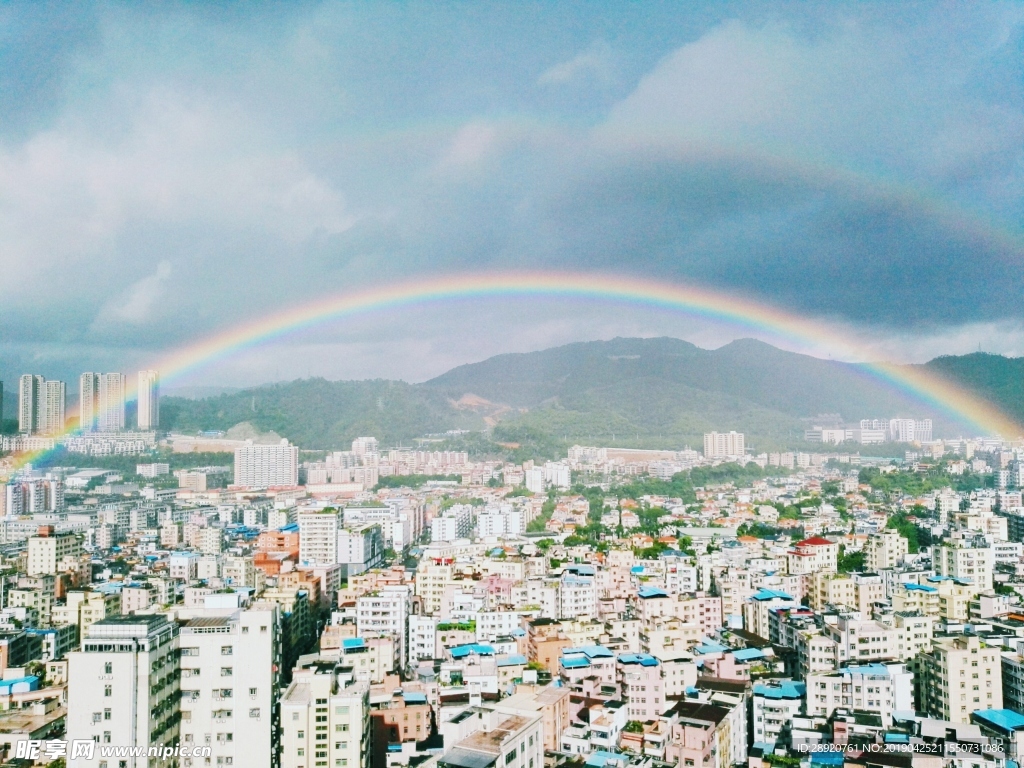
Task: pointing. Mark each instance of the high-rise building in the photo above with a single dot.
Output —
(325, 718)
(958, 676)
(101, 402)
(230, 667)
(54, 398)
(123, 687)
(47, 549)
(88, 401)
(721, 445)
(149, 400)
(40, 405)
(31, 404)
(1, 406)
(110, 414)
(264, 466)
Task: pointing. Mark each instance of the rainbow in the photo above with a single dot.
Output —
(916, 381)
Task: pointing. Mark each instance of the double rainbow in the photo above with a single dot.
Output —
(926, 387)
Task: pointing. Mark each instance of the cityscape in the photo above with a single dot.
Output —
(498, 385)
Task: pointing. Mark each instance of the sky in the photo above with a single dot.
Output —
(168, 171)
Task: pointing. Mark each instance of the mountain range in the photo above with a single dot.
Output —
(658, 392)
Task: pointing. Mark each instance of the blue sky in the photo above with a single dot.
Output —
(169, 170)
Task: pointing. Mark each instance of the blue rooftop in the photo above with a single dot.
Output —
(868, 669)
(512, 661)
(591, 651)
(1004, 719)
(643, 659)
(461, 651)
(784, 689)
(827, 758)
(410, 697)
(897, 738)
(647, 592)
(709, 646)
(637, 569)
(919, 588)
(748, 654)
(769, 594)
(574, 662)
(599, 758)
(353, 642)
(290, 528)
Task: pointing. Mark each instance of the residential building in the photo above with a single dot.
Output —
(230, 661)
(721, 445)
(325, 717)
(47, 550)
(967, 557)
(876, 688)
(31, 404)
(266, 466)
(959, 675)
(123, 687)
(775, 704)
(384, 613)
(884, 551)
(149, 400)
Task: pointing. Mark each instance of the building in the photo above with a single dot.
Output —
(722, 445)
(123, 687)
(230, 684)
(965, 556)
(31, 405)
(643, 690)
(910, 430)
(266, 466)
(456, 522)
(325, 717)
(813, 555)
(498, 740)
(877, 688)
(47, 550)
(149, 400)
(52, 414)
(101, 400)
(884, 551)
(384, 613)
(775, 704)
(959, 675)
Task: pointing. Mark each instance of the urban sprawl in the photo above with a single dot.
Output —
(418, 607)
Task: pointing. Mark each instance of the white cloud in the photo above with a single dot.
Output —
(596, 61)
(136, 306)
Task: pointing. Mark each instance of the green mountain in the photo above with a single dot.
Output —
(652, 392)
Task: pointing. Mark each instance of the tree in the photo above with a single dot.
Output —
(633, 726)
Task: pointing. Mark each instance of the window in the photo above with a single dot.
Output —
(108, 691)
(108, 668)
(263, 629)
(301, 751)
(295, 715)
(106, 737)
(226, 671)
(245, 630)
(252, 691)
(254, 712)
(302, 734)
(227, 650)
(341, 710)
(189, 651)
(106, 713)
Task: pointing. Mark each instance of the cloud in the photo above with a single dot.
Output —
(861, 166)
(137, 305)
(596, 61)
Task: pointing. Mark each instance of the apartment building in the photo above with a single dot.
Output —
(958, 676)
(877, 688)
(47, 550)
(123, 687)
(230, 684)
(966, 557)
(775, 704)
(884, 550)
(265, 466)
(384, 613)
(325, 717)
(639, 676)
(433, 575)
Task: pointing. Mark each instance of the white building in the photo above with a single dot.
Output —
(265, 466)
(456, 522)
(878, 688)
(48, 549)
(318, 536)
(384, 613)
(101, 399)
(31, 404)
(149, 400)
(229, 683)
(123, 687)
(534, 480)
(325, 718)
(910, 430)
(775, 704)
(722, 445)
(967, 556)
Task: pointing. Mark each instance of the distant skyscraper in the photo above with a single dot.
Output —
(88, 401)
(29, 402)
(55, 397)
(149, 400)
(40, 405)
(110, 413)
(719, 445)
(1, 406)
